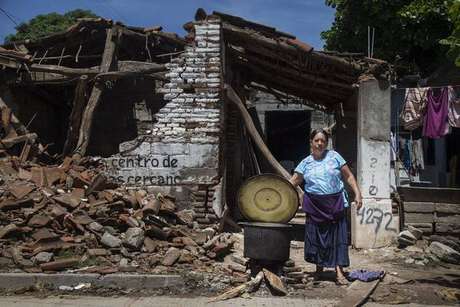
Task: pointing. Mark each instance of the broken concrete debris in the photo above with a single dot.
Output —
(444, 253)
(67, 216)
(406, 238)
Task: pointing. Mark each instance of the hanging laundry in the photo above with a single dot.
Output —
(406, 158)
(436, 123)
(393, 146)
(417, 155)
(414, 108)
(454, 108)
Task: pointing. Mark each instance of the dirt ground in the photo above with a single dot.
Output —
(431, 283)
(409, 279)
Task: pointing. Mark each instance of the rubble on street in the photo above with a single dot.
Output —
(69, 217)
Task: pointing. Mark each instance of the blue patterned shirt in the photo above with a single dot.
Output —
(323, 176)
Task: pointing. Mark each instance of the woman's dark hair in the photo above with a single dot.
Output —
(316, 131)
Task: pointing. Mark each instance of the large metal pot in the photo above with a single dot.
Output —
(266, 241)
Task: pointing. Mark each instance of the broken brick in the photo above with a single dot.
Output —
(60, 264)
(39, 220)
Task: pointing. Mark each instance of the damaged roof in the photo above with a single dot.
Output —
(280, 62)
(78, 50)
(263, 57)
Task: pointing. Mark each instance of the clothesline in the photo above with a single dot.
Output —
(403, 88)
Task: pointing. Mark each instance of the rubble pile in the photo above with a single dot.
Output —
(69, 217)
(439, 249)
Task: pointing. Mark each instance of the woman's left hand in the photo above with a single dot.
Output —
(358, 201)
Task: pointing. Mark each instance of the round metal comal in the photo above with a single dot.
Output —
(268, 198)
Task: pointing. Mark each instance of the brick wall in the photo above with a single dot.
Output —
(433, 217)
(180, 153)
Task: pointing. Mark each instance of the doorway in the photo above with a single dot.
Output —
(287, 136)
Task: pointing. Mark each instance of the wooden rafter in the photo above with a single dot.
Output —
(292, 72)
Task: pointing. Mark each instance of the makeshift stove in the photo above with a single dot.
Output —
(269, 202)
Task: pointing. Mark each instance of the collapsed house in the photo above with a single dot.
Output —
(175, 115)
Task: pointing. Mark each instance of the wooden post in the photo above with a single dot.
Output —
(78, 106)
(259, 142)
(108, 59)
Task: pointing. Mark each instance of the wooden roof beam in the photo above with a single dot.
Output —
(123, 66)
(294, 73)
(256, 38)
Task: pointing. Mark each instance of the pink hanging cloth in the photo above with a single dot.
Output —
(436, 124)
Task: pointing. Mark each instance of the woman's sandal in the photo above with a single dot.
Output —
(342, 281)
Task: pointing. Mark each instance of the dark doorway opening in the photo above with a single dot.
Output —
(287, 136)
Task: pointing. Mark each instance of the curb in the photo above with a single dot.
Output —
(13, 281)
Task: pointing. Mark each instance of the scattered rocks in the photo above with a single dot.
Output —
(94, 226)
(134, 237)
(239, 259)
(453, 242)
(150, 245)
(417, 233)
(414, 249)
(171, 256)
(42, 257)
(444, 253)
(186, 257)
(96, 252)
(406, 238)
(110, 240)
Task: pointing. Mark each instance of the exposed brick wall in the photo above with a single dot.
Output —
(432, 217)
(192, 114)
(180, 149)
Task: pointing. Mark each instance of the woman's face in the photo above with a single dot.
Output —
(318, 143)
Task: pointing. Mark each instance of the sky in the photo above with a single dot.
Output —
(302, 18)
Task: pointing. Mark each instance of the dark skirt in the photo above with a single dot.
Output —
(326, 244)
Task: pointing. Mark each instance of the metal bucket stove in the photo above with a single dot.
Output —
(269, 202)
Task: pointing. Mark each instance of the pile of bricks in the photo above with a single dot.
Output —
(69, 217)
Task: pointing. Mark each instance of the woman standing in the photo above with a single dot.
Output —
(326, 240)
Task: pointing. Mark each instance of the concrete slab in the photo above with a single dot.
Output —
(13, 281)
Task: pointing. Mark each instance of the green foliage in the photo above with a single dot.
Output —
(407, 32)
(43, 25)
(453, 41)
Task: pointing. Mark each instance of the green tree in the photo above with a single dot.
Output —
(453, 41)
(407, 32)
(42, 25)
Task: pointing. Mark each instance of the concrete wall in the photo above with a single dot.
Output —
(265, 102)
(180, 151)
(374, 224)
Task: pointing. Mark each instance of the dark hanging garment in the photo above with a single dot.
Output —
(436, 124)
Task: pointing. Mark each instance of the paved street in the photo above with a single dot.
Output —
(92, 301)
(85, 301)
